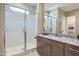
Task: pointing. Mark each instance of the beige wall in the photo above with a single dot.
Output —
(2, 10)
(41, 18)
(59, 21)
(76, 13)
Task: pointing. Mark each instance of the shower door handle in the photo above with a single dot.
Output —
(24, 40)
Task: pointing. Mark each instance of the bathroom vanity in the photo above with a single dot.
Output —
(49, 45)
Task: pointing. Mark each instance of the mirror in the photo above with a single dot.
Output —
(62, 18)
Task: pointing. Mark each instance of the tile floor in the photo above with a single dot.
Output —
(18, 49)
(33, 53)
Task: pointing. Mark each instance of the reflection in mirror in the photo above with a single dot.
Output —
(62, 18)
(50, 24)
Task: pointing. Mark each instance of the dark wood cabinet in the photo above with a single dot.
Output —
(71, 50)
(55, 47)
(39, 46)
(42, 47)
(54, 51)
(46, 50)
(57, 51)
(48, 47)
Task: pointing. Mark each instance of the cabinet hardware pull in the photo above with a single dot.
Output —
(74, 50)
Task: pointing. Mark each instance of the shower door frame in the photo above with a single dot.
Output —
(23, 29)
(25, 33)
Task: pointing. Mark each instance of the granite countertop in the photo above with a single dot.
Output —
(61, 39)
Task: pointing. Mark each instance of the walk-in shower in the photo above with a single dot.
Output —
(21, 27)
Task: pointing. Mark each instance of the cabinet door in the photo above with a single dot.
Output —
(43, 48)
(39, 46)
(71, 50)
(54, 51)
(74, 52)
(56, 48)
(57, 51)
(46, 50)
(60, 51)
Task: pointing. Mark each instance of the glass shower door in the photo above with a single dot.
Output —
(31, 30)
(14, 27)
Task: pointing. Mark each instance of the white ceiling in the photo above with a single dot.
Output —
(32, 4)
(64, 6)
